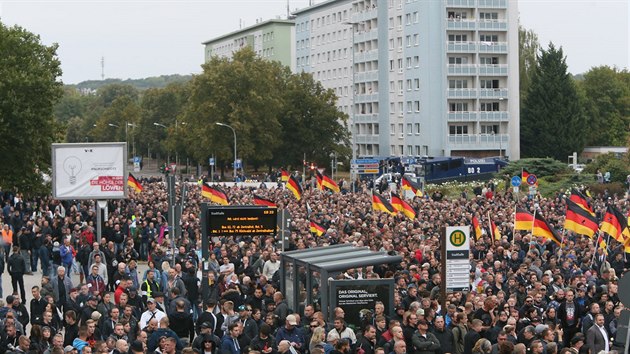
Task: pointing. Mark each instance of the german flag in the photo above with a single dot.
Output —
(381, 204)
(215, 194)
(324, 181)
(579, 220)
(294, 186)
(258, 200)
(403, 207)
(133, 183)
(495, 231)
(578, 198)
(543, 229)
(615, 224)
(524, 175)
(477, 228)
(408, 184)
(317, 229)
(523, 220)
(284, 175)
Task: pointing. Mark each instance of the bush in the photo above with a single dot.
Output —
(612, 188)
(616, 165)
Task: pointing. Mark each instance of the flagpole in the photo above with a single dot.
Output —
(533, 222)
(514, 226)
(606, 250)
(596, 246)
(491, 228)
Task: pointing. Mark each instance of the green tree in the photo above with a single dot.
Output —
(311, 124)
(29, 89)
(607, 94)
(244, 92)
(528, 47)
(553, 123)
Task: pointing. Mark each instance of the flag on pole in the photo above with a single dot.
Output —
(403, 207)
(284, 175)
(579, 220)
(543, 229)
(408, 184)
(477, 228)
(215, 194)
(294, 186)
(523, 220)
(524, 175)
(580, 199)
(324, 181)
(317, 229)
(495, 231)
(134, 183)
(258, 200)
(615, 224)
(381, 204)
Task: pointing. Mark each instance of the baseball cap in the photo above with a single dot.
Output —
(68, 349)
(242, 308)
(152, 300)
(206, 325)
(292, 320)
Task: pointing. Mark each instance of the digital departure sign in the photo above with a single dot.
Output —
(241, 220)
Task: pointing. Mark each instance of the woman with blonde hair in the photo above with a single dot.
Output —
(483, 346)
(318, 338)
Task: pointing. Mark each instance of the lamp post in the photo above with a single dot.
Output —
(333, 164)
(234, 132)
(168, 157)
(133, 138)
(354, 92)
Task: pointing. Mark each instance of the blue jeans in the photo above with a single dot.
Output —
(34, 259)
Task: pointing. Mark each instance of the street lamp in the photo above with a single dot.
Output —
(354, 97)
(333, 164)
(133, 138)
(234, 132)
(167, 157)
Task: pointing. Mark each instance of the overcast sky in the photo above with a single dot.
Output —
(145, 38)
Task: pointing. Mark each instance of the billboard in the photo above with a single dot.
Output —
(241, 220)
(358, 297)
(89, 171)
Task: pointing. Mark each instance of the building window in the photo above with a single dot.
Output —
(458, 129)
(489, 84)
(416, 84)
(458, 107)
(489, 129)
(457, 84)
(488, 38)
(392, 129)
(417, 128)
(489, 16)
(457, 60)
(489, 60)
(490, 106)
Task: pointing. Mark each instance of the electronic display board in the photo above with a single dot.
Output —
(241, 220)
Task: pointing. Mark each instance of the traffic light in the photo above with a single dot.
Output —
(313, 166)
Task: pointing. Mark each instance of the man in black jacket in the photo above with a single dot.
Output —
(17, 268)
(181, 322)
(444, 335)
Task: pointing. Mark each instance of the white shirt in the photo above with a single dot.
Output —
(146, 316)
(605, 335)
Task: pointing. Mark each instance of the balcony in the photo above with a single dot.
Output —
(499, 116)
(493, 70)
(365, 36)
(461, 93)
(363, 56)
(366, 139)
(492, 4)
(479, 141)
(462, 47)
(461, 116)
(364, 15)
(366, 76)
(501, 93)
(461, 25)
(366, 97)
(493, 25)
(493, 47)
(366, 118)
(460, 3)
(462, 69)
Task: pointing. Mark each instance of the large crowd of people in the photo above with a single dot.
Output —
(528, 294)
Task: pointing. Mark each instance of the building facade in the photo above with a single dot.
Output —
(273, 40)
(435, 78)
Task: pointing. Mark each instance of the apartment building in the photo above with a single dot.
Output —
(273, 40)
(437, 78)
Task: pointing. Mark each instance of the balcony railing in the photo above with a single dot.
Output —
(461, 116)
(492, 25)
(366, 118)
(366, 139)
(493, 69)
(363, 56)
(462, 69)
(364, 36)
(364, 15)
(461, 47)
(492, 4)
(461, 25)
(461, 93)
(493, 93)
(498, 116)
(460, 3)
(482, 116)
(493, 47)
(480, 141)
(367, 76)
(366, 97)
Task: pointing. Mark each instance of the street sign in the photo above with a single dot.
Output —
(516, 181)
(239, 163)
(457, 269)
(531, 180)
(211, 161)
(365, 166)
